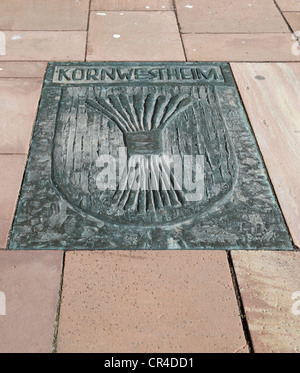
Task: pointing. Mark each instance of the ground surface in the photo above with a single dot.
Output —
(153, 301)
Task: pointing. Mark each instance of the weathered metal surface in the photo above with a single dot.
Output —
(129, 119)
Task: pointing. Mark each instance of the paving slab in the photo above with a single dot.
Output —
(134, 36)
(19, 99)
(30, 283)
(131, 5)
(44, 15)
(271, 96)
(240, 47)
(10, 69)
(44, 46)
(269, 285)
(111, 163)
(11, 173)
(235, 16)
(289, 5)
(148, 302)
(293, 19)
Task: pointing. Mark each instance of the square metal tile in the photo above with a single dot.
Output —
(144, 156)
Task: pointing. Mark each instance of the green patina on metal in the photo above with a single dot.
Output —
(111, 163)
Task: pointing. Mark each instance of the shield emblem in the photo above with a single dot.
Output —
(154, 124)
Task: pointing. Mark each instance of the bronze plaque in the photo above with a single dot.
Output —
(144, 156)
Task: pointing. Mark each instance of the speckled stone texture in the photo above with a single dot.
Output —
(44, 46)
(240, 47)
(131, 5)
(270, 289)
(30, 281)
(44, 15)
(61, 205)
(134, 36)
(289, 5)
(16, 69)
(234, 16)
(19, 99)
(147, 301)
(11, 173)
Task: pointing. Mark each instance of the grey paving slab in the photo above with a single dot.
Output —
(145, 156)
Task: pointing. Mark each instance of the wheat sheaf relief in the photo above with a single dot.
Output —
(142, 120)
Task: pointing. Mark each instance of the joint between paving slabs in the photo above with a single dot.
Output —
(286, 21)
(59, 299)
(240, 304)
(179, 29)
(87, 30)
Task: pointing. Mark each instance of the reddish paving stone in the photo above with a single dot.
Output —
(270, 288)
(44, 46)
(148, 301)
(271, 96)
(293, 19)
(22, 69)
(289, 5)
(134, 36)
(218, 16)
(11, 173)
(131, 5)
(44, 15)
(239, 47)
(18, 104)
(30, 281)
